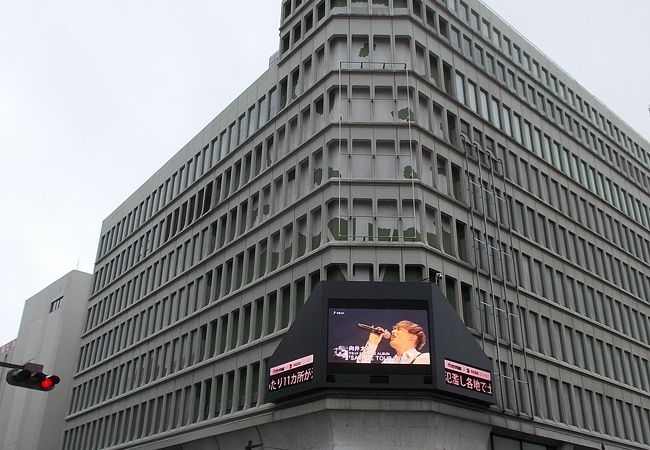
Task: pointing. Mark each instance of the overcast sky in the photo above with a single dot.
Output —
(96, 95)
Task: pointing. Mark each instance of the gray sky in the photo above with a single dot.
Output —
(96, 96)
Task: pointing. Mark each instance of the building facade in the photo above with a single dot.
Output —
(6, 355)
(389, 140)
(50, 335)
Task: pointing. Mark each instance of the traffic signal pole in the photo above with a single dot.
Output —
(10, 366)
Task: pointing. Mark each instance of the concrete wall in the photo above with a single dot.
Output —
(348, 430)
(32, 420)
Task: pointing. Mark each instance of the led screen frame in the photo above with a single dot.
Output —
(300, 364)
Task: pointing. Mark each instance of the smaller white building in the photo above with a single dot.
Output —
(6, 355)
(49, 334)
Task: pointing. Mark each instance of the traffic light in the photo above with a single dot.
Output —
(32, 380)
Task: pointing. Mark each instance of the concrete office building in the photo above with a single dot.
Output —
(389, 140)
(49, 334)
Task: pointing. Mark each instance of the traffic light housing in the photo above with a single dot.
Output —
(30, 379)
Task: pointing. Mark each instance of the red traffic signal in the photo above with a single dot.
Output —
(32, 380)
(49, 382)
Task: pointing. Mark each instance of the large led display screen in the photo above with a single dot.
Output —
(378, 336)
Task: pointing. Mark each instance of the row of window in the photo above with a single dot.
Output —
(191, 348)
(543, 146)
(222, 145)
(270, 200)
(521, 59)
(364, 104)
(110, 270)
(289, 243)
(233, 136)
(225, 143)
(210, 398)
(225, 146)
(575, 205)
(254, 320)
(298, 129)
(504, 443)
(518, 85)
(379, 159)
(525, 91)
(551, 338)
(556, 238)
(536, 277)
(544, 335)
(575, 405)
(301, 27)
(232, 179)
(535, 181)
(543, 280)
(367, 230)
(573, 247)
(176, 221)
(288, 7)
(140, 325)
(547, 233)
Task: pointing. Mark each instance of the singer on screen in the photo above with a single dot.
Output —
(407, 339)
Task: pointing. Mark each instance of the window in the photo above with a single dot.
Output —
(494, 104)
(320, 10)
(455, 37)
(489, 64)
(471, 96)
(56, 304)
(502, 443)
(483, 105)
(516, 127)
(460, 87)
(286, 9)
(506, 121)
(443, 26)
(467, 47)
(286, 39)
(263, 111)
(447, 239)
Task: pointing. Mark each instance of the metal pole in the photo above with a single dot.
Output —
(11, 366)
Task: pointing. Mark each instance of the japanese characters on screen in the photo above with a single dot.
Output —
(291, 373)
(468, 377)
(378, 336)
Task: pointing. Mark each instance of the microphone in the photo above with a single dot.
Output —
(373, 329)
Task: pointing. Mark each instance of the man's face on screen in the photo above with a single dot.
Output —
(401, 340)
